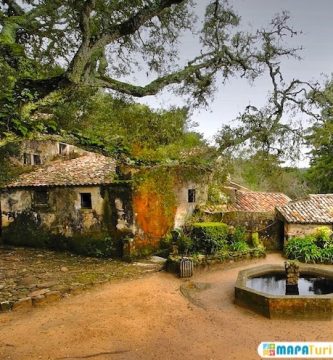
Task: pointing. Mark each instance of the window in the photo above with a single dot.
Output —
(41, 197)
(26, 159)
(62, 149)
(86, 201)
(37, 159)
(191, 195)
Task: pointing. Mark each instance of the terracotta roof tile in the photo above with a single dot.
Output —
(315, 209)
(89, 169)
(255, 201)
(251, 201)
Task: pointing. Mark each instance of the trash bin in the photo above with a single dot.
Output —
(186, 268)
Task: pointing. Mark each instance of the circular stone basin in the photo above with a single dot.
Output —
(263, 290)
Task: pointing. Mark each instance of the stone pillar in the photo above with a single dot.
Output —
(292, 276)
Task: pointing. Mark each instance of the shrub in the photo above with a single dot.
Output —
(185, 244)
(303, 249)
(323, 232)
(239, 234)
(209, 237)
(239, 246)
(92, 246)
(255, 240)
(327, 255)
(322, 236)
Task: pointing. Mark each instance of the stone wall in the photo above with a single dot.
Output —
(270, 229)
(292, 230)
(184, 208)
(62, 214)
(136, 220)
(48, 150)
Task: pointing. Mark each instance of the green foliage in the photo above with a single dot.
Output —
(209, 237)
(323, 236)
(256, 240)
(316, 248)
(239, 246)
(303, 249)
(185, 244)
(92, 246)
(238, 240)
(239, 234)
(320, 141)
(269, 175)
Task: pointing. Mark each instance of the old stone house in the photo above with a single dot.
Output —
(253, 210)
(68, 193)
(301, 217)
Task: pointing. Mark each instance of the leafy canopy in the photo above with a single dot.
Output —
(47, 46)
(321, 142)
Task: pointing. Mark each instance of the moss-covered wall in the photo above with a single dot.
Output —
(63, 219)
(270, 229)
(135, 214)
(160, 203)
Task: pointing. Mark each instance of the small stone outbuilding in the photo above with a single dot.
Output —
(253, 210)
(301, 217)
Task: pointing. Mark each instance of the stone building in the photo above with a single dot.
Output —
(253, 210)
(301, 217)
(68, 194)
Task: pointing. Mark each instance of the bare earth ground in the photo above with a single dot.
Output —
(148, 318)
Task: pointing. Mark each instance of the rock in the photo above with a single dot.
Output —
(5, 306)
(38, 292)
(2, 287)
(23, 304)
(158, 260)
(64, 269)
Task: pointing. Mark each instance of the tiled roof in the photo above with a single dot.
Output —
(315, 209)
(89, 169)
(256, 201)
(251, 201)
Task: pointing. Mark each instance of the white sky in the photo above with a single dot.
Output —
(314, 18)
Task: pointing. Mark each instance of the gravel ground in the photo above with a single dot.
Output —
(26, 271)
(148, 318)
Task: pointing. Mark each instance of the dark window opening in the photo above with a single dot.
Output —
(62, 149)
(37, 159)
(86, 201)
(41, 197)
(191, 195)
(26, 159)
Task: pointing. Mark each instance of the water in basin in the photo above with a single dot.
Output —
(275, 284)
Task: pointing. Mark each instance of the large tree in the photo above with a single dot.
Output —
(321, 142)
(47, 46)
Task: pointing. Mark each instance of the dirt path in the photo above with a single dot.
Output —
(149, 319)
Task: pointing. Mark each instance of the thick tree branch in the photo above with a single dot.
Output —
(128, 27)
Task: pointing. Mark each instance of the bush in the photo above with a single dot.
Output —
(322, 236)
(239, 246)
(209, 237)
(238, 240)
(90, 246)
(303, 249)
(238, 235)
(185, 244)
